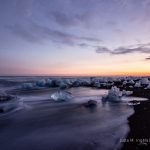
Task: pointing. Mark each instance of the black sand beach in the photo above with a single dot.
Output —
(139, 135)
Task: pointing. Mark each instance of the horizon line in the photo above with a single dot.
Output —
(70, 75)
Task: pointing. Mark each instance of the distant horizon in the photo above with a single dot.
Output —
(71, 75)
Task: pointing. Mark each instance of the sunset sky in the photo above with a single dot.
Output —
(74, 37)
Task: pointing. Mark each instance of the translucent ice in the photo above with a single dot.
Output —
(131, 82)
(114, 95)
(127, 93)
(61, 96)
(7, 102)
(27, 86)
(41, 83)
(137, 84)
(145, 81)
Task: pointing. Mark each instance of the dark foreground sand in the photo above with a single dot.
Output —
(139, 135)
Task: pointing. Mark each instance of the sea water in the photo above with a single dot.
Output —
(43, 124)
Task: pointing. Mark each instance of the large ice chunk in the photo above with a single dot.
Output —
(114, 95)
(61, 96)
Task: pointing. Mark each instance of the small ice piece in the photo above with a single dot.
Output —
(134, 102)
(41, 83)
(91, 103)
(63, 85)
(148, 87)
(124, 82)
(49, 82)
(131, 86)
(61, 96)
(137, 84)
(131, 82)
(68, 82)
(127, 93)
(27, 86)
(7, 102)
(114, 95)
(145, 81)
(97, 84)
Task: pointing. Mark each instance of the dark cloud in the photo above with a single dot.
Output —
(36, 33)
(123, 50)
(141, 48)
(148, 58)
(83, 45)
(63, 19)
(71, 19)
(102, 49)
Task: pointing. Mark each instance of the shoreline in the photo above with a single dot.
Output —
(138, 137)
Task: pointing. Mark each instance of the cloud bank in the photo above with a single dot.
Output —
(140, 48)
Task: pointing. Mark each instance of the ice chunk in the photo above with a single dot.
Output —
(41, 83)
(63, 85)
(137, 84)
(127, 93)
(148, 87)
(61, 96)
(114, 95)
(7, 102)
(145, 81)
(97, 84)
(91, 103)
(124, 82)
(68, 82)
(131, 82)
(28, 86)
(131, 86)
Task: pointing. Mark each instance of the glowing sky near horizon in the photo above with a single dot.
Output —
(75, 37)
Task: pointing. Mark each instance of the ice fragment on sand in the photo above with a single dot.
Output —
(114, 95)
(61, 96)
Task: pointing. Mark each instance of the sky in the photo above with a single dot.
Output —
(74, 37)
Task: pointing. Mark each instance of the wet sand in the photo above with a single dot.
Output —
(139, 135)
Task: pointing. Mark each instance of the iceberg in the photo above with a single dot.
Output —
(61, 96)
(114, 95)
